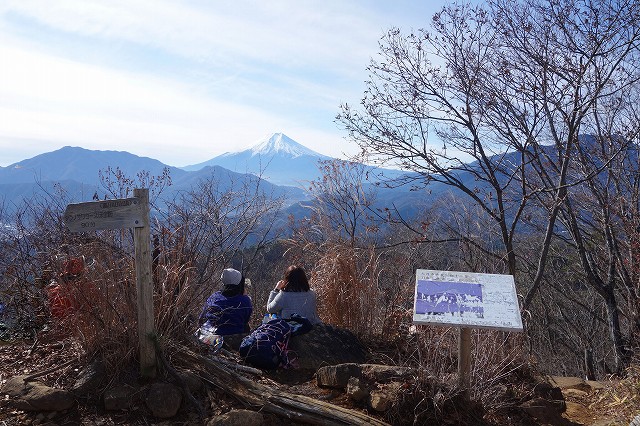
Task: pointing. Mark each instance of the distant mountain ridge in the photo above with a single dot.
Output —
(283, 165)
(78, 164)
(76, 171)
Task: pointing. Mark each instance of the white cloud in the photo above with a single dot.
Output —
(180, 81)
(49, 99)
(286, 33)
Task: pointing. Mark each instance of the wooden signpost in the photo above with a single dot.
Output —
(466, 300)
(120, 214)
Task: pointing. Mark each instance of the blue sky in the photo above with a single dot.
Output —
(185, 81)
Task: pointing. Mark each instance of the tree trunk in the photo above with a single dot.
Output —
(613, 319)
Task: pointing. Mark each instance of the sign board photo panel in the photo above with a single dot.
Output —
(466, 299)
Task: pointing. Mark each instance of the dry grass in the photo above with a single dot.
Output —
(622, 398)
(348, 289)
(103, 317)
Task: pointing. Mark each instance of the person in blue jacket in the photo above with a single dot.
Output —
(228, 311)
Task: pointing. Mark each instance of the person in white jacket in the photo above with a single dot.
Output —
(292, 295)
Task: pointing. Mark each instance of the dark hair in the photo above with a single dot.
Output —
(234, 290)
(296, 279)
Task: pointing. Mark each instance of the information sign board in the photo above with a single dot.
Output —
(466, 299)
(107, 214)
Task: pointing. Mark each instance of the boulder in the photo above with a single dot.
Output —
(326, 345)
(118, 398)
(90, 379)
(569, 383)
(596, 385)
(163, 399)
(386, 373)
(36, 396)
(337, 376)
(574, 393)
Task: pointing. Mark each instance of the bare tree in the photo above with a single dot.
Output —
(214, 222)
(565, 60)
(433, 84)
(507, 91)
(344, 198)
(580, 72)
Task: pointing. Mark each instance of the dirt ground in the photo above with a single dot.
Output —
(615, 402)
(27, 357)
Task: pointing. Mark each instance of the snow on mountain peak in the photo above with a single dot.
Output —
(281, 144)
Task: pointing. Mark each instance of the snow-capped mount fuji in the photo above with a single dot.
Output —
(281, 144)
(276, 158)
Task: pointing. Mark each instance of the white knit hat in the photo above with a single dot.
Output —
(231, 277)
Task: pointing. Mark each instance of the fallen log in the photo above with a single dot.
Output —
(271, 399)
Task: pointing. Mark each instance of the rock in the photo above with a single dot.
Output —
(326, 345)
(90, 379)
(237, 418)
(569, 383)
(596, 385)
(357, 389)
(544, 410)
(386, 373)
(36, 396)
(163, 399)
(547, 391)
(337, 376)
(381, 400)
(118, 398)
(574, 393)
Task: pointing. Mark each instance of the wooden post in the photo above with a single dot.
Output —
(464, 360)
(144, 287)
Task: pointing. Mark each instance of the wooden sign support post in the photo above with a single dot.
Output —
(464, 361)
(119, 214)
(144, 287)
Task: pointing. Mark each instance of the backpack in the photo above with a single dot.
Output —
(299, 325)
(267, 346)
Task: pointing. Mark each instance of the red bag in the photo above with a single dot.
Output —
(60, 304)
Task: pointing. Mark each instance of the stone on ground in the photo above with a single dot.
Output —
(36, 396)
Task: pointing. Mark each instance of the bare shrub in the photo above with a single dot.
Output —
(499, 361)
(201, 233)
(499, 366)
